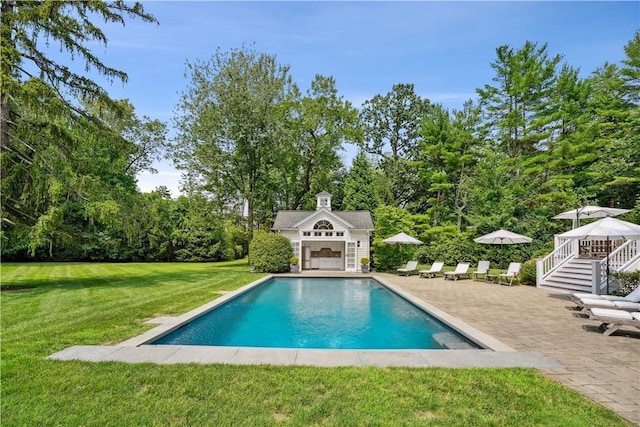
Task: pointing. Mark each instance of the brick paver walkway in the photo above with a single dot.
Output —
(605, 369)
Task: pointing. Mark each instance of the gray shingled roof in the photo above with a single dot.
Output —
(361, 220)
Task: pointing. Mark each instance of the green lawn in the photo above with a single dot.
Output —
(88, 303)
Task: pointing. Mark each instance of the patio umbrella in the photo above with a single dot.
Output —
(605, 228)
(402, 239)
(589, 211)
(502, 237)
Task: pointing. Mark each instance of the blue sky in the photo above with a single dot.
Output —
(444, 48)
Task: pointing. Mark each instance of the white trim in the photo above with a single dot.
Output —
(327, 212)
(350, 256)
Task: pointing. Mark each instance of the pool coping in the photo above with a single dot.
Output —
(137, 350)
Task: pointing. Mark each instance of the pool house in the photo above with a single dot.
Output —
(325, 239)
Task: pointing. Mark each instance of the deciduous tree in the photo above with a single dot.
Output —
(322, 122)
(230, 126)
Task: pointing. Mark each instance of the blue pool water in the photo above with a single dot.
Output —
(333, 313)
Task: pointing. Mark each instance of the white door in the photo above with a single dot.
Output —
(350, 260)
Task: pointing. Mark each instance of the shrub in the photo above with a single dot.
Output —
(388, 257)
(293, 260)
(364, 261)
(390, 220)
(629, 280)
(270, 252)
(422, 255)
(528, 272)
(450, 249)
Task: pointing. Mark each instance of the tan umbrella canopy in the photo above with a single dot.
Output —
(502, 237)
(589, 211)
(605, 228)
(402, 239)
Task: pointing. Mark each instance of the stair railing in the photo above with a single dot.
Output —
(621, 259)
(566, 250)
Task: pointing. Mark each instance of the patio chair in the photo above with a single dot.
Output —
(436, 268)
(612, 320)
(602, 303)
(462, 269)
(483, 268)
(513, 273)
(411, 267)
(634, 296)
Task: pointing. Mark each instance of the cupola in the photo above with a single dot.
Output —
(323, 200)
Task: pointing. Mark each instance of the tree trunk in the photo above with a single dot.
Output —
(436, 212)
(250, 216)
(5, 110)
(459, 199)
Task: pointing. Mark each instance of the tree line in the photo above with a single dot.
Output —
(538, 140)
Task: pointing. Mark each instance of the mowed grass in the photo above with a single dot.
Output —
(91, 304)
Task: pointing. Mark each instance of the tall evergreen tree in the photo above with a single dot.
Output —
(391, 131)
(554, 172)
(360, 189)
(448, 152)
(517, 107)
(28, 75)
(48, 127)
(615, 175)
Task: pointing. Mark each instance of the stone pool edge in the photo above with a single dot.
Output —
(136, 350)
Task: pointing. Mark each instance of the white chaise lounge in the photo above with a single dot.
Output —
(436, 268)
(513, 273)
(634, 296)
(482, 269)
(612, 320)
(462, 269)
(603, 303)
(411, 267)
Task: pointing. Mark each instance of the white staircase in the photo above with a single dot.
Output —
(574, 276)
(563, 271)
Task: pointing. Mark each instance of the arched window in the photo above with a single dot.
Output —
(323, 224)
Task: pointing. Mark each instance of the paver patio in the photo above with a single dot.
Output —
(528, 319)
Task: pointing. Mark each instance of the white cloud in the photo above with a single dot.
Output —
(170, 178)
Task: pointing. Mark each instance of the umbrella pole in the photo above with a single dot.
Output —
(608, 251)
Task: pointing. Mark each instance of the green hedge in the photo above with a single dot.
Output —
(270, 253)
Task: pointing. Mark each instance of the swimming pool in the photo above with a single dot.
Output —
(318, 313)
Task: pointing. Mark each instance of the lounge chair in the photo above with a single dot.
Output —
(634, 296)
(513, 273)
(462, 269)
(603, 303)
(436, 268)
(411, 267)
(612, 320)
(483, 268)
